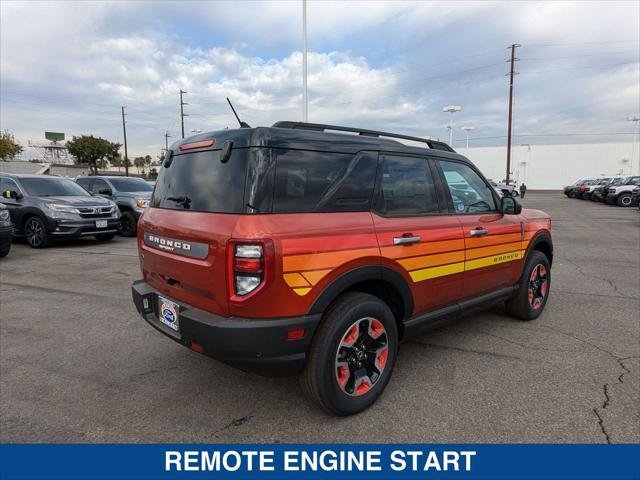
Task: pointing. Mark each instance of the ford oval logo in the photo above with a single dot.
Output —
(168, 315)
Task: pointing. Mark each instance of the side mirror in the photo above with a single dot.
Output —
(105, 191)
(510, 206)
(12, 194)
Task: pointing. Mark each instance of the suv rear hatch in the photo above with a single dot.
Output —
(184, 233)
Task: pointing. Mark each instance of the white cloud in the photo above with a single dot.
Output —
(391, 65)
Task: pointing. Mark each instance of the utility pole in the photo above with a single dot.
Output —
(182, 114)
(126, 155)
(511, 74)
(166, 141)
(305, 99)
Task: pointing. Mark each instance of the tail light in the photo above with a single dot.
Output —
(248, 267)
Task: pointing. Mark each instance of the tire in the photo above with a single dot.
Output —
(128, 224)
(531, 298)
(624, 200)
(35, 232)
(332, 376)
(105, 237)
(5, 252)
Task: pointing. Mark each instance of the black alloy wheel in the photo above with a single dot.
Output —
(35, 233)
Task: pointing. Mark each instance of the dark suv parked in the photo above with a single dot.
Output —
(44, 208)
(131, 194)
(6, 231)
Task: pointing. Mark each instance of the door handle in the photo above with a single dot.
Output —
(406, 240)
(479, 232)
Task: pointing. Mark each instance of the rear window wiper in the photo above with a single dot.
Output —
(181, 200)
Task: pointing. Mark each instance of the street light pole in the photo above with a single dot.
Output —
(467, 130)
(305, 98)
(636, 120)
(451, 109)
(126, 156)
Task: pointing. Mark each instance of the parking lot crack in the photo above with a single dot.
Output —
(459, 349)
(607, 397)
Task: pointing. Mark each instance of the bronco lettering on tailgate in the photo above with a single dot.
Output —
(181, 247)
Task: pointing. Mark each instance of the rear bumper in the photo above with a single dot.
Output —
(256, 345)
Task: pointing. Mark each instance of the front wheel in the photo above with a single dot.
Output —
(624, 200)
(36, 233)
(352, 354)
(534, 287)
(128, 224)
(5, 252)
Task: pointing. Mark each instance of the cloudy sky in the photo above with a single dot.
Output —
(69, 67)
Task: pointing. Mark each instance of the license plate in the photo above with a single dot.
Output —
(168, 313)
(101, 224)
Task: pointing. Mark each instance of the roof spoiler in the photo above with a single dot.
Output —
(321, 127)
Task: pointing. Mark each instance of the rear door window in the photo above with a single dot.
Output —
(198, 181)
(99, 185)
(310, 181)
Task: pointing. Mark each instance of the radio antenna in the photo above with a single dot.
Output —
(242, 124)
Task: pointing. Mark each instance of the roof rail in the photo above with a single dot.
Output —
(320, 127)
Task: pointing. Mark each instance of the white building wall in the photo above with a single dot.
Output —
(553, 166)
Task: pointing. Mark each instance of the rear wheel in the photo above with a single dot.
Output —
(128, 224)
(624, 200)
(352, 354)
(35, 233)
(534, 288)
(5, 252)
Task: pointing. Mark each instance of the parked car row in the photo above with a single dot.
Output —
(616, 190)
(42, 208)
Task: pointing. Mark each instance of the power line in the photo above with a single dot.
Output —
(511, 75)
(577, 68)
(579, 43)
(581, 56)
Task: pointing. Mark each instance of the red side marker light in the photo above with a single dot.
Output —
(194, 145)
(295, 334)
(196, 347)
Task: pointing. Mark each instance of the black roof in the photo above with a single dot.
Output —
(311, 136)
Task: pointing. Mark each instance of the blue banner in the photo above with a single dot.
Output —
(319, 461)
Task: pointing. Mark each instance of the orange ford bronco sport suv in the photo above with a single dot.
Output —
(297, 248)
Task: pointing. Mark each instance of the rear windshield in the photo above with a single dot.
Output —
(52, 187)
(200, 182)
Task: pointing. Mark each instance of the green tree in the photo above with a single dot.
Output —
(139, 162)
(92, 151)
(8, 146)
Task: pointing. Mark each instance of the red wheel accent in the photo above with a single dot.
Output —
(363, 387)
(538, 286)
(375, 328)
(361, 356)
(343, 375)
(381, 359)
(351, 336)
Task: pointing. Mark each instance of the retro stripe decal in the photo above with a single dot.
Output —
(423, 261)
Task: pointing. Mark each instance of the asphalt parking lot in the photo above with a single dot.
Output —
(77, 364)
